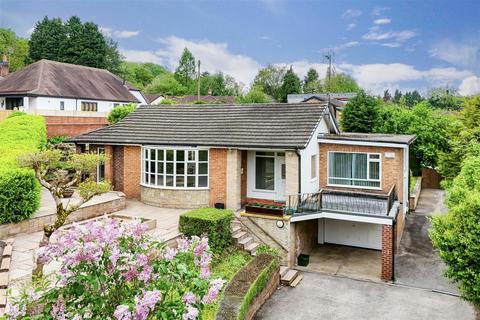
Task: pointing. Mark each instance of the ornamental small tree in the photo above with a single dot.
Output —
(360, 114)
(120, 112)
(58, 170)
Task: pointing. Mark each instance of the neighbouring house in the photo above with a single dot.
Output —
(342, 188)
(209, 99)
(74, 99)
(336, 100)
(154, 98)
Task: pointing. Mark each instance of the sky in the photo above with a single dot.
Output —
(404, 45)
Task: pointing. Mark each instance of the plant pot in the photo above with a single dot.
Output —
(303, 260)
(68, 193)
(262, 210)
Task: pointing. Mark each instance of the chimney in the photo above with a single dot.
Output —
(4, 69)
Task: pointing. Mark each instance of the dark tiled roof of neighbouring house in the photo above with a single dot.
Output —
(297, 98)
(152, 96)
(258, 125)
(56, 79)
(207, 99)
(370, 137)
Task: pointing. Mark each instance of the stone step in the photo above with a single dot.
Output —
(296, 281)
(283, 270)
(245, 241)
(235, 222)
(252, 247)
(239, 235)
(289, 277)
(236, 228)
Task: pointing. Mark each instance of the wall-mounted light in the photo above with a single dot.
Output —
(280, 224)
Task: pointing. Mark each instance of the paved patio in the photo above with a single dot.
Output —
(345, 261)
(25, 245)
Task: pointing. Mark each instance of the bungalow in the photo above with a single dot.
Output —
(342, 188)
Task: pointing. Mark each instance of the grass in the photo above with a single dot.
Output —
(413, 181)
(225, 266)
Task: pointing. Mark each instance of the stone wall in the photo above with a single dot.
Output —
(89, 210)
(263, 296)
(175, 198)
(291, 174)
(234, 176)
(306, 236)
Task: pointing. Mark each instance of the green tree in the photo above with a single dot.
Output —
(255, 95)
(360, 113)
(120, 112)
(397, 96)
(15, 48)
(340, 82)
(311, 83)
(291, 84)
(270, 80)
(185, 72)
(445, 98)
(141, 74)
(73, 42)
(412, 98)
(387, 97)
(166, 84)
(455, 235)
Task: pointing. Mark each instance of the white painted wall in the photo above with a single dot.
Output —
(309, 185)
(137, 94)
(157, 101)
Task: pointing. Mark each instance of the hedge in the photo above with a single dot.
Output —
(246, 285)
(19, 190)
(215, 223)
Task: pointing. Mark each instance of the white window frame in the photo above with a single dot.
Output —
(274, 156)
(314, 167)
(62, 105)
(185, 175)
(379, 180)
(98, 165)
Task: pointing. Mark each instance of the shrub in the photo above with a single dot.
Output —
(19, 190)
(53, 141)
(112, 269)
(120, 112)
(215, 223)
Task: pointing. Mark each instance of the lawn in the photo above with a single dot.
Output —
(413, 181)
(225, 266)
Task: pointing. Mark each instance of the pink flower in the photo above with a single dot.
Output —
(122, 313)
(146, 303)
(146, 274)
(183, 244)
(201, 247)
(142, 259)
(213, 292)
(191, 313)
(130, 274)
(58, 310)
(189, 298)
(204, 272)
(170, 253)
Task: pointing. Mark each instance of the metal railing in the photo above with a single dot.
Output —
(339, 201)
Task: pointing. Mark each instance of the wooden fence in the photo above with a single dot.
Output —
(4, 114)
(430, 178)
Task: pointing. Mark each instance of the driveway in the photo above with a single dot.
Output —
(416, 262)
(321, 296)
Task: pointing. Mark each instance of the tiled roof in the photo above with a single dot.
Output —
(286, 126)
(56, 79)
(370, 137)
(297, 98)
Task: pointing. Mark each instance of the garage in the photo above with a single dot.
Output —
(350, 233)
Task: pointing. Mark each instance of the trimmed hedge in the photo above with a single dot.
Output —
(246, 285)
(214, 223)
(19, 189)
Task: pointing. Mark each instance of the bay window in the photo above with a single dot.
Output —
(354, 169)
(174, 168)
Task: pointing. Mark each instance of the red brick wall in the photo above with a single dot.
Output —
(218, 176)
(72, 126)
(392, 169)
(387, 253)
(131, 171)
(109, 164)
(117, 168)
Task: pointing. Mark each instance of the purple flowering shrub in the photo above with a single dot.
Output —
(114, 270)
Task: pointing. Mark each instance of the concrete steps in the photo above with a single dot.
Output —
(243, 239)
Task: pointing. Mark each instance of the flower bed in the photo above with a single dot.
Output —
(268, 209)
(111, 269)
(250, 288)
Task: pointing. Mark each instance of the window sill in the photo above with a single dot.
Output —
(352, 187)
(264, 191)
(174, 188)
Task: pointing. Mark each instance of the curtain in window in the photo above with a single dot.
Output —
(353, 169)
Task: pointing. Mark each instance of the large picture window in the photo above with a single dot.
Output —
(265, 171)
(174, 168)
(354, 169)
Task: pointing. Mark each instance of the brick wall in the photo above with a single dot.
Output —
(117, 168)
(131, 171)
(392, 169)
(217, 176)
(387, 253)
(72, 126)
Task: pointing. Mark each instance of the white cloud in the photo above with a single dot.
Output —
(378, 11)
(455, 53)
(351, 26)
(382, 21)
(375, 34)
(347, 45)
(301, 67)
(351, 14)
(213, 56)
(122, 34)
(141, 56)
(470, 86)
(391, 44)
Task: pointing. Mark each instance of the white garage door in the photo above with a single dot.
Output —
(355, 234)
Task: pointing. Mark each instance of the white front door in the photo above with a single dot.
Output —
(280, 179)
(355, 234)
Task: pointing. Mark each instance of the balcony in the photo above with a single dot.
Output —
(378, 205)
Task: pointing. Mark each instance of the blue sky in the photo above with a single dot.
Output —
(382, 44)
